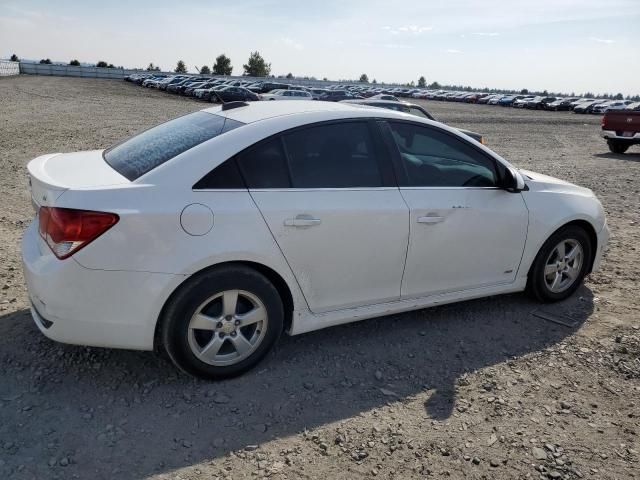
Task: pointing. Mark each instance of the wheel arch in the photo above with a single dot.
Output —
(274, 277)
(584, 225)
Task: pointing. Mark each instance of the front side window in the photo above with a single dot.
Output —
(144, 152)
(433, 158)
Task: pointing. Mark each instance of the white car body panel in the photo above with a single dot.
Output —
(473, 237)
(333, 267)
(347, 268)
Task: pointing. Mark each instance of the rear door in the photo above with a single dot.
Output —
(328, 195)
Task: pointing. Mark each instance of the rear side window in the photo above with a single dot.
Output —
(144, 152)
(264, 165)
(338, 155)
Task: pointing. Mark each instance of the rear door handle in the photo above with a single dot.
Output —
(302, 221)
(430, 219)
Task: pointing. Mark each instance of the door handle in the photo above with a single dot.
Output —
(302, 221)
(430, 219)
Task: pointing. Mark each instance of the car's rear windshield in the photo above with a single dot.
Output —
(142, 153)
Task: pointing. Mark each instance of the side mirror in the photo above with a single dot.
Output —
(513, 181)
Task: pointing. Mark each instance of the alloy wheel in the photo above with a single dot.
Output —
(227, 327)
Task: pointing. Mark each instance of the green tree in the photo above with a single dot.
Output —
(205, 70)
(222, 65)
(435, 86)
(14, 58)
(524, 91)
(289, 75)
(74, 63)
(374, 81)
(364, 78)
(422, 82)
(180, 67)
(256, 66)
(111, 65)
(102, 64)
(153, 68)
(45, 61)
(618, 96)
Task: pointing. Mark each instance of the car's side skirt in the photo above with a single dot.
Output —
(305, 321)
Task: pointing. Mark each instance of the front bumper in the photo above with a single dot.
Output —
(603, 239)
(77, 305)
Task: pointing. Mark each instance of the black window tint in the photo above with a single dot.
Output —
(333, 156)
(264, 165)
(224, 176)
(432, 158)
(144, 152)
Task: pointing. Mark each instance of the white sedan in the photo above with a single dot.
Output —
(287, 95)
(211, 234)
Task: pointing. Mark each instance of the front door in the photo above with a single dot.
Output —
(465, 231)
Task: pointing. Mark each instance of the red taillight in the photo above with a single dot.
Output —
(67, 230)
(603, 123)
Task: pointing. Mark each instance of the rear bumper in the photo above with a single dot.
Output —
(613, 135)
(77, 305)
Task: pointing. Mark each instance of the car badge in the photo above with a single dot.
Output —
(629, 119)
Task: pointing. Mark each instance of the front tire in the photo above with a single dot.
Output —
(617, 147)
(222, 322)
(561, 265)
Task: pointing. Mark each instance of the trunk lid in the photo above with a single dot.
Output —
(51, 175)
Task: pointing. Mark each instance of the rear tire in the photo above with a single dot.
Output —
(617, 146)
(561, 265)
(222, 322)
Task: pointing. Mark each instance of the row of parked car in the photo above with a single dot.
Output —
(226, 90)
(223, 89)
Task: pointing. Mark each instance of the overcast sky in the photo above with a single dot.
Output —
(558, 45)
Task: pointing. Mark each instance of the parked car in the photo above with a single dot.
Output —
(521, 102)
(621, 129)
(233, 94)
(612, 105)
(539, 103)
(337, 95)
(487, 99)
(508, 100)
(406, 107)
(382, 96)
(635, 106)
(587, 107)
(286, 95)
(266, 87)
(562, 104)
(286, 183)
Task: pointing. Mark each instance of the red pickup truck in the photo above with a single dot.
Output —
(621, 129)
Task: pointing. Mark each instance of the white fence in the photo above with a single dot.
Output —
(71, 71)
(120, 73)
(9, 68)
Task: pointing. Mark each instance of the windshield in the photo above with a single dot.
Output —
(142, 153)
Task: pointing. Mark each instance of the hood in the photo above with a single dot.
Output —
(538, 182)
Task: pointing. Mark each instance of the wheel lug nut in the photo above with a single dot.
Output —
(221, 334)
(228, 318)
(233, 334)
(237, 322)
(219, 325)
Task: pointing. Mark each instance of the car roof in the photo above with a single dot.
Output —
(257, 111)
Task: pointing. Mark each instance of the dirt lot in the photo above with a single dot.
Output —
(482, 389)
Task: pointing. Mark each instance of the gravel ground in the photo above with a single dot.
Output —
(481, 389)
